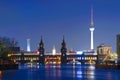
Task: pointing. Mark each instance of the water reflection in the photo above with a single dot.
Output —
(86, 71)
(91, 72)
(74, 71)
(29, 65)
(53, 70)
(109, 76)
(32, 71)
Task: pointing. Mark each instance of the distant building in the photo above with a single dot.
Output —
(104, 52)
(71, 52)
(28, 45)
(104, 49)
(118, 45)
(15, 49)
(54, 51)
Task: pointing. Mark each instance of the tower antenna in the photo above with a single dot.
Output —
(92, 22)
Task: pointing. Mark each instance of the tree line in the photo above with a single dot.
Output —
(5, 44)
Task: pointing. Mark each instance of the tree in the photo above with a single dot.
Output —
(4, 50)
(5, 44)
(10, 42)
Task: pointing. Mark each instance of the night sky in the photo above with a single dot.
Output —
(51, 19)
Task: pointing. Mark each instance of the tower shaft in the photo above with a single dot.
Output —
(92, 41)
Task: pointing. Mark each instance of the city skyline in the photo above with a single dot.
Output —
(53, 19)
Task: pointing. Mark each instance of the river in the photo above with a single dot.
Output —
(59, 72)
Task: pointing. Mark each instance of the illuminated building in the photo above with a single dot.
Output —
(54, 51)
(71, 52)
(26, 57)
(28, 45)
(104, 52)
(104, 49)
(92, 29)
(63, 57)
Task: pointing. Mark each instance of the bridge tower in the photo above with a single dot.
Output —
(41, 52)
(63, 52)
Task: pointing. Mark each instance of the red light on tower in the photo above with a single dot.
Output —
(38, 52)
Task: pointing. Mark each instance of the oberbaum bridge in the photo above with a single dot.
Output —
(62, 58)
(87, 57)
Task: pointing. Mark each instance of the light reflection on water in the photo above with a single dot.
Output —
(32, 71)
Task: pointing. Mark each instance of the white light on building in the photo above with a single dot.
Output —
(28, 45)
(79, 52)
(54, 51)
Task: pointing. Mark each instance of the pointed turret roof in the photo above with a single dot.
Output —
(41, 42)
(63, 43)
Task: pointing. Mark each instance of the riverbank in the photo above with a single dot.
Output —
(6, 64)
(101, 66)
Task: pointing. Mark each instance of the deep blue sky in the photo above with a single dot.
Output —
(52, 19)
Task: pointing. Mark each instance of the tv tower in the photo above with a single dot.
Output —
(28, 45)
(92, 29)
